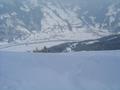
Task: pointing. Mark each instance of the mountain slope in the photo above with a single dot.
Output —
(48, 19)
(111, 42)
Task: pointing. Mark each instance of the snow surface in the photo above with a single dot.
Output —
(72, 71)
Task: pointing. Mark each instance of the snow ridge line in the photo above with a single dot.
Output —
(35, 42)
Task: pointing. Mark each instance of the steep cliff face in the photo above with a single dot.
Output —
(57, 19)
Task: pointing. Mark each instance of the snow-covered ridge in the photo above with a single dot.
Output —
(60, 19)
(46, 19)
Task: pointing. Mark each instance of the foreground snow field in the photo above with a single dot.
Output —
(72, 71)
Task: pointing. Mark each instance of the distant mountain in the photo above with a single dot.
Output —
(58, 19)
(111, 42)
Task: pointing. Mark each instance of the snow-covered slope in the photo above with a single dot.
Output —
(111, 42)
(62, 22)
(73, 71)
(48, 19)
(25, 21)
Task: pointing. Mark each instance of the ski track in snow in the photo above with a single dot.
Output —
(73, 71)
